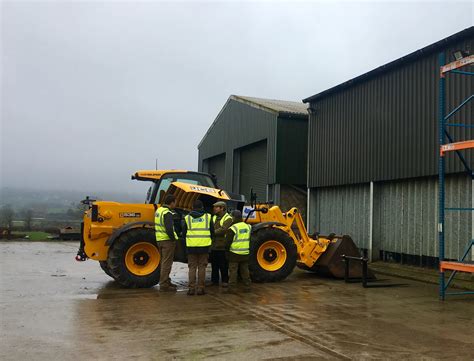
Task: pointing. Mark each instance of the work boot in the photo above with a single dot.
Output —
(225, 284)
(172, 285)
(201, 292)
(191, 292)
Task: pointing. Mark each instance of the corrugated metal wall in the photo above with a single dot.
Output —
(406, 216)
(216, 165)
(236, 126)
(253, 170)
(342, 210)
(385, 128)
(292, 151)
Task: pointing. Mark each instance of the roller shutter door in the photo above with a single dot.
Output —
(253, 170)
(216, 165)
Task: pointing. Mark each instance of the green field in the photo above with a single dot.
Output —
(35, 235)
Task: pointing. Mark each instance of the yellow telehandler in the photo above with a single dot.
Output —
(121, 236)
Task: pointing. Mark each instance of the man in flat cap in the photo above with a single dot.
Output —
(222, 222)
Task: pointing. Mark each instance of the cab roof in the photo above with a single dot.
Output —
(153, 175)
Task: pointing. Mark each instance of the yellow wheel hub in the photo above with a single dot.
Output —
(142, 259)
(271, 255)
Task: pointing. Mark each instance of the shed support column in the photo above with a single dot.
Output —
(371, 221)
(308, 210)
(276, 194)
(472, 218)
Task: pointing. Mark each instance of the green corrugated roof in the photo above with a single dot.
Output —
(279, 106)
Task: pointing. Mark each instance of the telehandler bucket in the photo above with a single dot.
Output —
(331, 264)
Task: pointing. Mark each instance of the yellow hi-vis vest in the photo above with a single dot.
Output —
(241, 242)
(224, 218)
(198, 232)
(160, 230)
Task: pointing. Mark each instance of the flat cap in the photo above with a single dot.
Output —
(237, 214)
(220, 204)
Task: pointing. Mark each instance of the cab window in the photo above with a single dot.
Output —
(164, 185)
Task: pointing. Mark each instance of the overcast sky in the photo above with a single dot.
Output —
(92, 91)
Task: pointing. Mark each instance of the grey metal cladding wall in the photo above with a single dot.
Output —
(405, 216)
(236, 126)
(253, 170)
(458, 224)
(386, 127)
(292, 151)
(216, 165)
(342, 210)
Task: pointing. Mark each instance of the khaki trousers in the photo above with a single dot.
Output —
(234, 268)
(166, 249)
(197, 261)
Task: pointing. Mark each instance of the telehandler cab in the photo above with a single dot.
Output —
(121, 236)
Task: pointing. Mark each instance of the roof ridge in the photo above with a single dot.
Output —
(273, 105)
(268, 99)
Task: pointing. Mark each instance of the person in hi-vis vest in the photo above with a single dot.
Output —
(238, 250)
(198, 231)
(166, 238)
(222, 222)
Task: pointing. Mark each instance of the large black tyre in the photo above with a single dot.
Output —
(134, 259)
(105, 268)
(272, 255)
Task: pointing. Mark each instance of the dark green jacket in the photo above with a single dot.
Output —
(218, 241)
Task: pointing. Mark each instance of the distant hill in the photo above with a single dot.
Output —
(58, 199)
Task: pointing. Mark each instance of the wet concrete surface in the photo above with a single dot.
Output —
(53, 308)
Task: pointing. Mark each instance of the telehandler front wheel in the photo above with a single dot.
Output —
(105, 268)
(272, 255)
(134, 259)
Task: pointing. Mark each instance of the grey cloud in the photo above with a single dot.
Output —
(94, 91)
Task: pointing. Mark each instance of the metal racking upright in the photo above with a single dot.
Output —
(460, 265)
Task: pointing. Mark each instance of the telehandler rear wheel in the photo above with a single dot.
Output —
(134, 259)
(272, 255)
(105, 268)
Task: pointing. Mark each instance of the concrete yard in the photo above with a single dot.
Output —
(54, 308)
